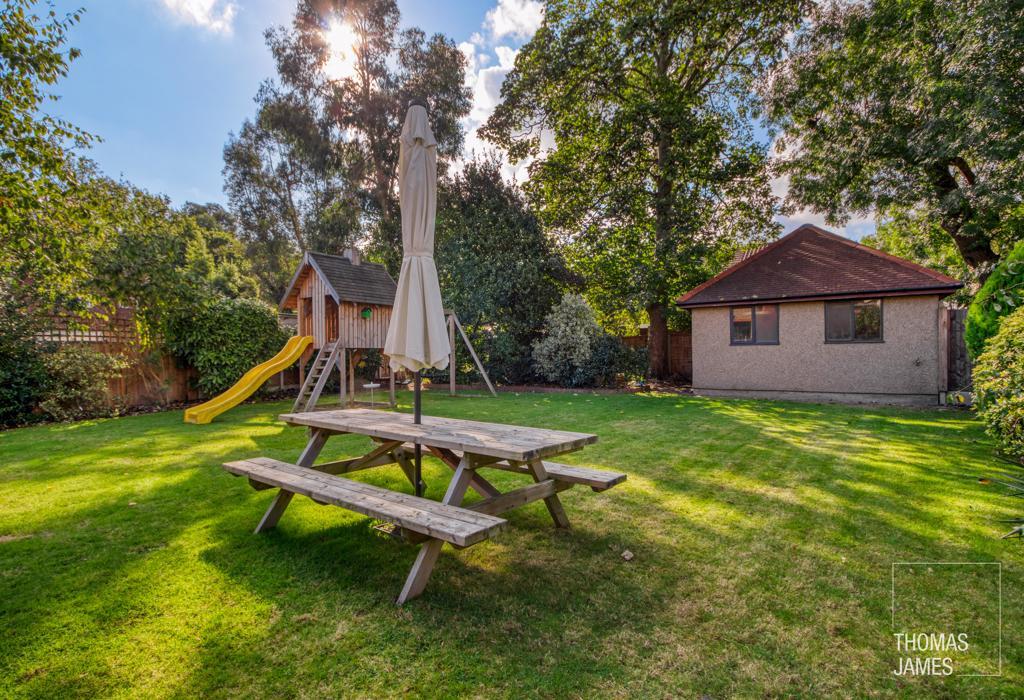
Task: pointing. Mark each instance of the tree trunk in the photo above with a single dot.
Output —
(657, 335)
(976, 249)
(657, 342)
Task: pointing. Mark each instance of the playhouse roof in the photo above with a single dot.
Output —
(362, 283)
(812, 263)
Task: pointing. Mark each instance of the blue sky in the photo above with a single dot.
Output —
(164, 90)
(163, 82)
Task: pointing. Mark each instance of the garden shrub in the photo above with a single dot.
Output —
(78, 383)
(610, 358)
(224, 338)
(507, 357)
(999, 385)
(1002, 292)
(576, 352)
(369, 364)
(569, 334)
(23, 376)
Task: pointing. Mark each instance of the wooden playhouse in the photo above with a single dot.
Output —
(344, 303)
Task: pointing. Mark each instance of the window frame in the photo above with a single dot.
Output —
(853, 321)
(753, 325)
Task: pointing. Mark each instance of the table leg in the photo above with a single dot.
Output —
(539, 473)
(429, 551)
(407, 467)
(283, 498)
(479, 484)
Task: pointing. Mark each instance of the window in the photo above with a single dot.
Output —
(754, 325)
(857, 321)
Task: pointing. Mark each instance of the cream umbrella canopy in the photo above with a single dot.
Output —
(417, 335)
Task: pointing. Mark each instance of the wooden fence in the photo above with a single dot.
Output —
(959, 365)
(680, 351)
(151, 377)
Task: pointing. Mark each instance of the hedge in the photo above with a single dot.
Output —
(1002, 292)
(225, 338)
(999, 385)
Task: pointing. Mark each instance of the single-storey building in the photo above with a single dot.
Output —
(818, 317)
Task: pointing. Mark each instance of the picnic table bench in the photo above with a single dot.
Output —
(464, 446)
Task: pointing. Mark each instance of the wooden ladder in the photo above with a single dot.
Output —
(316, 380)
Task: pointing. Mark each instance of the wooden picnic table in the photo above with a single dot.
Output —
(465, 446)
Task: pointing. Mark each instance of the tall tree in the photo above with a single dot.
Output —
(653, 166)
(159, 261)
(317, 167)
(288, 177)
(911, 105)
(497, 268)
(38, 254)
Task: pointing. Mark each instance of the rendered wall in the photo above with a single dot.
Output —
(904, 368)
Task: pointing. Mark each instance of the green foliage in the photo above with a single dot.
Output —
(576, 352)
(227, 268)
(498, 270)
(654, 165)
(225, 338)
(1002, 293)
(369, 364)
(154, 259)
(507, 357)
(609, 360)
(907, 105)
(38, 247)
(920, 238)
(999, 385)
(570, 331)
(23, 377)
(78, 383)
(316, 168)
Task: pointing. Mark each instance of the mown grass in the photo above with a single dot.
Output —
(763, 533)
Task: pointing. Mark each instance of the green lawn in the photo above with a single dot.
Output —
(764, 536)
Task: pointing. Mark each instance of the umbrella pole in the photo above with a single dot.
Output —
(417, 418)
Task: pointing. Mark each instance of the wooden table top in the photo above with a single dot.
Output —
(499, 440)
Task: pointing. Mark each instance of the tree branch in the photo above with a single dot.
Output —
(965, 170)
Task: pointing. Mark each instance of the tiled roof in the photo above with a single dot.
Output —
(365, 283)
(741, 255)
(812, 262)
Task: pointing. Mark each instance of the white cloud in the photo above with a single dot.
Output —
(216, 16)
(506, 25)
(856, 228)
(485, 81)
(518, 19)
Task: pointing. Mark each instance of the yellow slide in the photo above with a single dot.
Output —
(250, 382)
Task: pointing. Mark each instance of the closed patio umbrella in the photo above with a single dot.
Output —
(417, 336)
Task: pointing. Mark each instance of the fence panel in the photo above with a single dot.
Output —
(960, 365)
(152, 377)
(680, 351)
